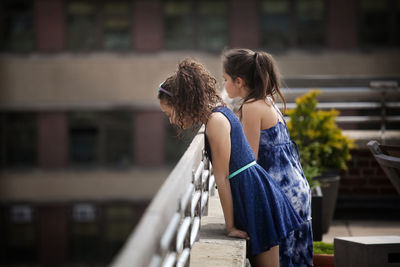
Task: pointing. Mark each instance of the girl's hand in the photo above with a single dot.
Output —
(234, 232)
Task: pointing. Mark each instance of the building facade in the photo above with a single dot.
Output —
(83, 145)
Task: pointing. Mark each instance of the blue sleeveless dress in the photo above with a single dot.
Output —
(260, 206)
(279, 157)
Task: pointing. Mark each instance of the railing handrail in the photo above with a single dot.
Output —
(336, 80)
(345, 93)
(347, 105)
(383, 95)
(170, 224)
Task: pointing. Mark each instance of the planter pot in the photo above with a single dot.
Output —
(329, 187)
(323, 260)
(316, 213)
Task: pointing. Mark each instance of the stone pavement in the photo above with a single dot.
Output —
(342, 228)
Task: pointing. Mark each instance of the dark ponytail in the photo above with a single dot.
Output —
(257, 69)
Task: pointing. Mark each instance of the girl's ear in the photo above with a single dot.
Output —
(239, 82)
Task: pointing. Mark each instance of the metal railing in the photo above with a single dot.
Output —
(171, 223)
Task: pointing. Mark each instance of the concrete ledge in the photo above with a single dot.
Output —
(214, 247)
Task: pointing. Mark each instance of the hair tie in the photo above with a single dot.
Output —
(160, 89)
(255, 55)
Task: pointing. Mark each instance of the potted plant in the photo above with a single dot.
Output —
(323, 148)
(323, 254)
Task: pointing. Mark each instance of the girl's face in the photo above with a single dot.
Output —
(171, 114)
(230, 86)
(234, 88)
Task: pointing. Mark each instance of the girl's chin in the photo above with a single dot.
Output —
(186, 126)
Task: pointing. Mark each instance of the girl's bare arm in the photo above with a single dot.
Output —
(218, 134)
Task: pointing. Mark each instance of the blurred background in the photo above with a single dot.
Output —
(83, 144)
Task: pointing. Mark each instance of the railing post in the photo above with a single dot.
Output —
(383, 86)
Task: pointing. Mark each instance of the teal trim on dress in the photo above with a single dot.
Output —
(242, 169)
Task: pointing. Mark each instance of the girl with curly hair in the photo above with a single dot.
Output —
(254, 206)
(254, 77)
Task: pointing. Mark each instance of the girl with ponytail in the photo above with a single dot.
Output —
(254, 206)
(254, 77)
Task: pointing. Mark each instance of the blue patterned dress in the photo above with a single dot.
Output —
(279, 157)
(260, 206)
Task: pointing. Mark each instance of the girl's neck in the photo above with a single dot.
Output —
(244, 92)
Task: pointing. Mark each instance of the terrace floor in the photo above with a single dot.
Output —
(341, 228)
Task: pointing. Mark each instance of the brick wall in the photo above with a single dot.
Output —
(244, 24)
(149, 135)
(52, 140)
(341, 31)
(148, 26)
(50, 25)
(364, 176)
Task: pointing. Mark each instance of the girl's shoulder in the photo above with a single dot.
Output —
(216, 118)
(257, 106)
(216, 123)
(260, 111)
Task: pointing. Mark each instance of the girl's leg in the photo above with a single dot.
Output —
(268, 258)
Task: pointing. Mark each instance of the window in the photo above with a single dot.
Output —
(275, 23)
(20, 139)
(117, 25)
(379, 23)
(120, 220)
(118, 138)
(21, 233)
(82, 27)
(292, 23)
(196, 24)
(2, 140)
(310, 23)
(213, 25)
(85, 233)
(84, 212)
(99, 25)
(176, 145)
(21, 214)
(101, 138)
(179, 24)
(84, 138)
(17, 34)
(396, 27)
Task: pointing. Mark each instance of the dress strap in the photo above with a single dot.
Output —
(242, 169)
(277, 109)
(297, 149)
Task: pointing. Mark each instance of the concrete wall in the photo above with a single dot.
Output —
(90, 185)
(106, 79)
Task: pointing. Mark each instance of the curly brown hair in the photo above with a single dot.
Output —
(193, 92)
